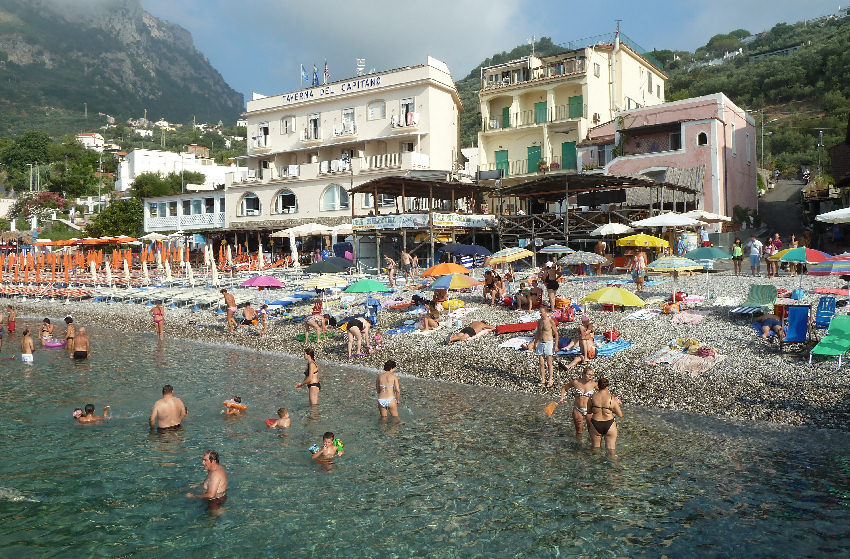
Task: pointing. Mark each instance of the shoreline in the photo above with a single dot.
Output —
(753, 382)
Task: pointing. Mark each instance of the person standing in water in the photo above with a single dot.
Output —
(168, 412)
(81, 346)
(158, 314)
(582, 389)
(10, 324)
(215, 484)
(388, 389)
(603, 408)
(70, 332)
(27, 347)
(311, 377)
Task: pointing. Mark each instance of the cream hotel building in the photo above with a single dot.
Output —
(307, 148)
(535, 109)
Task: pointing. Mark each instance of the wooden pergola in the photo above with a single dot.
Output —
(415, 195)
(530, 216)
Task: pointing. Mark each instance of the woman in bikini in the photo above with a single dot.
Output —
(318, 323)
(311, 377)
(389, 392)
(158, 314)
(582, 389)
(603, 408)
(431, 320)
(639, 270)
(46, 331)
(358, 330)
(390, 264)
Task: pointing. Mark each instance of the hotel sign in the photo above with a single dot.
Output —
(331, 90)
(464, 220)
(401, 221)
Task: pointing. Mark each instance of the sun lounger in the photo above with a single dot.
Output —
(824, 314)
(797, 328)
(759, 298)
(837, 340)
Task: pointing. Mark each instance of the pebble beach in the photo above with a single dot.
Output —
(751, 380)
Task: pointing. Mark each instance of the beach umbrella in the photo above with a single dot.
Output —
(159, 260)
(339, 261)
(127, 272)
(325, 267)
(214, 275)
(835, 216)
(108, 269)
(642, 240)
(230, 258)
(509, 254)
(455, 281)
(611, 229)
(190, 275)
(802, 255)
(673, 264)
(324, 281)
(92, 269)
(260, 256)
(582, 257)
(180, 256)
(707, 217)
(366, 286)
(445, 268)
(669, 219)
(261, 281)
(837, 265)
(293, 250)
(614, 296)
(153, 237)
(708, 253)
(472, 250)
(555, 249)
(168, 277)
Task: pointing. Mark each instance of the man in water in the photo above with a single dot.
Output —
(475, 327)
(230, 303)
(545, 338)
(26, 347)
(215, 484)
(81, 348)
(10, 324)
(168, 412)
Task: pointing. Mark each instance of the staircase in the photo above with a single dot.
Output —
(69, 224)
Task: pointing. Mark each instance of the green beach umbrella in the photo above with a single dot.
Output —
(708, 253)
(367, 286)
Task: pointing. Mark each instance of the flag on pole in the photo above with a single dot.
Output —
(315, 75)
(327, 74)
(304, 75)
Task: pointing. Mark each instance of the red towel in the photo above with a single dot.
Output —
(828, 291)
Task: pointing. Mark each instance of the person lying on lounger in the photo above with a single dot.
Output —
(475, 327)
(770, 322)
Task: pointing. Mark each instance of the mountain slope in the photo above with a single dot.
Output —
(111, 55)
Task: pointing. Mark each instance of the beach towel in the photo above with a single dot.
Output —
(654, 300)
(644, 314)
(478, 335)
(516, 343)
(418, 310)
(602, 349)
(400, 330)
(689, 317)
(653, 282)
(520, 327)
(666, 354)
(830, 291)
(757, 327)
(598, 341)
(530, 317)
(726, 301)
(301, 338)
(695, 365)
(460, 313)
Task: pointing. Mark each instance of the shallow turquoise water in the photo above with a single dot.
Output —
(467, 472)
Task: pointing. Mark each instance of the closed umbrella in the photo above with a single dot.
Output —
(108, 269)
(127, 272)
(214, 274)
(159, 260)
(145, 276)
(168, 277)
(190, 275)
(93, 270)
(293, 250)
(260, 257)
(230, 258)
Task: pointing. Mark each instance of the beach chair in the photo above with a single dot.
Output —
(797, 327)
(373, 305)
(823, 314)
(837, 340)
(759, 298)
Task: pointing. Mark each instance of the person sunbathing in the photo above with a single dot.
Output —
(770, 322)
(475, 327)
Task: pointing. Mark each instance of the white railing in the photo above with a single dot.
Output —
(195, 221)
(383, 161)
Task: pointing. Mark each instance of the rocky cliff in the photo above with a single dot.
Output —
(56, 55)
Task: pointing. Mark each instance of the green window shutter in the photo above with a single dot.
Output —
(502, 160)
(506, 117)
(576, 107)
(540, 112)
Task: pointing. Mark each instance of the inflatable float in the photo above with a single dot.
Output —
(453, 304)
(53, 342)
(234, 405)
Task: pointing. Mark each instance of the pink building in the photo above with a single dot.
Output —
(707, 140)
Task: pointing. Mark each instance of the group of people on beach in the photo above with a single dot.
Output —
(767, 250)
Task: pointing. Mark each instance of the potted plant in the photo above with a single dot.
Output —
(542, 166)
(554, 166)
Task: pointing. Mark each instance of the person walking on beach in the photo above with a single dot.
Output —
(388, 389)
(603, 407)
(311, 377)
(27, 346)
(545, 337)
(168, 412)
(581, 389)
(230, 303)
(550, 280)
(158, 315)
(215, 484)
(756, 250)
(390, 264)
(406, 266)
(10, 323)
(737, 256)
(81, 347)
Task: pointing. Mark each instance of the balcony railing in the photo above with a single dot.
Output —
(345, 129)
(383, 161)
(529, 117)
(194, 221)
(334, 166)
(565, 68)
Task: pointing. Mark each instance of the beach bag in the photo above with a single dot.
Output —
(672, 308)
(797, 294)
(591, 352)
(508, 301)
(568, 314)
(612, 334)
(679, 296)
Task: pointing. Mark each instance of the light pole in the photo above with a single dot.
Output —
(30, 166)
(762, 135)
(182, 166)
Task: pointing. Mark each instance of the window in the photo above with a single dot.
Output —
(313, 131)
(597, 69)
(172, 209)
(197, 207)
(658, 91)
(261, 140)
(348, 116)
(406, 113)
(385, 201)
(221, 205)
(287, 125)
(376, 110)
(187, 207)
(334, 198)
(209, 205)
(249, 205)
(676, 140)
(405, 147)
(285, 202)
(162, 209)
(749, 160)
(152, 210)
(649, 82)
(702, 139)
(734, 149)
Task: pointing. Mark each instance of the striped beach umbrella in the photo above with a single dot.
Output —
(455, 281)
(837, 265)
(445, 268)
(673, 264)
(510, 255)
(555, 249)
(324, 281)
(803, 255)
(582, 257)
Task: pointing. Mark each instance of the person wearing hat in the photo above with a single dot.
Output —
(585, 344)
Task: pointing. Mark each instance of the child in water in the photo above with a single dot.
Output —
(330, 447)
(231, 409)
(284, 422)
(88, 416)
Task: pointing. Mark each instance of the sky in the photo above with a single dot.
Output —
(259, 45)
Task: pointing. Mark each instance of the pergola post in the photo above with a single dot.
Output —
(431, 219)
(353, 235)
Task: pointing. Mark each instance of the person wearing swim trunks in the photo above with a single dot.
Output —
(10, 324)
(230, 303)
(46, 331)
(90, 417)
(311, 377)
(158, 314)
(543, 344)
(249, 315)
(70, 332)
(358, 330)
(770, 322)
(81, 348)
(168, 412)
(215, 484)
(603, 407)
(328, 449)
(475, 327)
(27, 347)
(581, 389)
(406, 265)
(388, 389)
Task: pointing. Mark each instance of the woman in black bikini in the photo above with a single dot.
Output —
(311, 377)
(603, 407)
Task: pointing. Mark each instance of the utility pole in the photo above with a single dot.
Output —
(99, 177)
(182, 166)
(820, 149)
(30, 166)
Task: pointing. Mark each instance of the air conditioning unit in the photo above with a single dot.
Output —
(252, 212)
(596, 118)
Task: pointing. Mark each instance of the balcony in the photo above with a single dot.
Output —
(185, 222)
(567, 68)
(532, 117)
(345, 130)
(409, 122)
(311, 136)
(334, 166)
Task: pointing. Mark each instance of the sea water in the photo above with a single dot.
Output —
(465, 472)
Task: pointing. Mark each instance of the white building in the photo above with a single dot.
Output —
(198, 211)
(307, 148)
(144, 133)
(91, 140)
(141, 161)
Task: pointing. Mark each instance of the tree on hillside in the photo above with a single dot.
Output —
(122, 217)
(39, 205)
